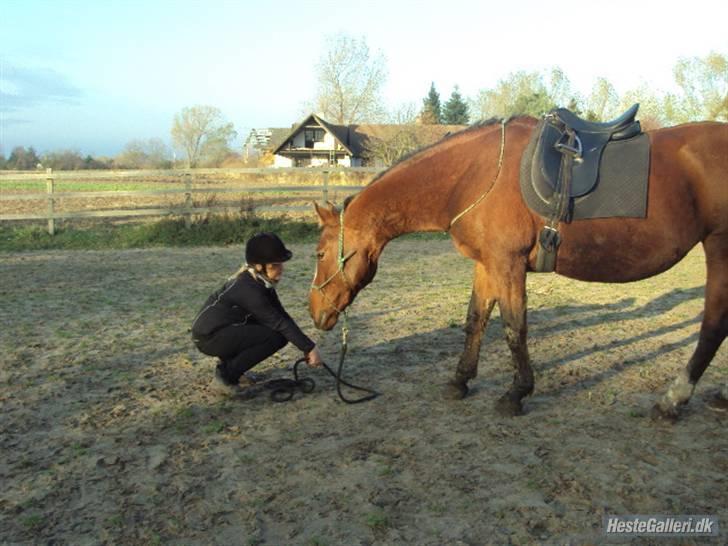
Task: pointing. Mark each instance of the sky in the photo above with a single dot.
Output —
(91, 76)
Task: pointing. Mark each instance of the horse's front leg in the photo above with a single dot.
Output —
(479, 309)
(512, 304)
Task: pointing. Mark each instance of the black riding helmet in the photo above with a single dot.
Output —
(266, 248)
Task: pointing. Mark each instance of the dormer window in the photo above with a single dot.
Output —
(313, 135)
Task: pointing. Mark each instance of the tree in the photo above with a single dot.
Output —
(518, 94)
(202, 133)
(64, 160)
(22, 159)
(2, 160)
(350, 80)
(396, 139)
(455, 111)
(144, 154)
(431, 109)
(703, 84)
(391, 144)
(559, 89)
(652, 107)
(603, 102)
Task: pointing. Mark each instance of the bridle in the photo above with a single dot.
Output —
(341, 260)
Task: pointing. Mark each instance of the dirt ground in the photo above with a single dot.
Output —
(110, 434)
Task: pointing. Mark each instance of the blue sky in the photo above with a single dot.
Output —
(92, 76)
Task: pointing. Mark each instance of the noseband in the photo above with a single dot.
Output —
(341, 259)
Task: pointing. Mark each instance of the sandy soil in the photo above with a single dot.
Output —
(110, 435)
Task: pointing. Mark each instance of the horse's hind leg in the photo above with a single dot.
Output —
(713, 330)
(479, 309)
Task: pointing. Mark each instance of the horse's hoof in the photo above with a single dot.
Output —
(506, 406)
(718, 403)
(455, 391)
(662, 415)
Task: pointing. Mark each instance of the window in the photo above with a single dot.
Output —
(313, 135)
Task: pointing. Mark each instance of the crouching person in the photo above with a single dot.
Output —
(243, 322)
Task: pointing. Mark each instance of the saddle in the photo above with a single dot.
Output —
(589, 140)
(578, 169)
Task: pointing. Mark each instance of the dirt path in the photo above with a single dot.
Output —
(109, 434)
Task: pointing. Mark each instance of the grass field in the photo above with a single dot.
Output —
(39, 186)
(110, 434)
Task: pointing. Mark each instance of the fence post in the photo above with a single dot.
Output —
(188, 200)
(50, 189)
(326, 186)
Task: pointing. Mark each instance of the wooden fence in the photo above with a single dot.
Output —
(184, 182)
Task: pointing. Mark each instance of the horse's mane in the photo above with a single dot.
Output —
(474, 127)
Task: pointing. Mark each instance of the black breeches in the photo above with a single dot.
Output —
(241, 346)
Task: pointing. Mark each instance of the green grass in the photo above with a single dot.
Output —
(70, 185)
(377, 520)
(216, 230)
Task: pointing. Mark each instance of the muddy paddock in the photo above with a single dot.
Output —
(110, 435)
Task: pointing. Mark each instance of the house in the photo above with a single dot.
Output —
(262, 140)
(315, 142)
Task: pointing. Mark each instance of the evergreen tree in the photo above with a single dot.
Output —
(431, 109)
(455, 111)
(22, 159)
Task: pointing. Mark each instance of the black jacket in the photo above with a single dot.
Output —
(245, 300)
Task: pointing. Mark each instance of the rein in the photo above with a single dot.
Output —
(341, 260)
(495, 178)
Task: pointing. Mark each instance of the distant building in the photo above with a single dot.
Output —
(262, 140)
(315, 142)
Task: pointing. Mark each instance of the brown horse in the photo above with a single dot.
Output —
(687, 204)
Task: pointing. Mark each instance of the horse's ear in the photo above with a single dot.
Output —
(327, 215)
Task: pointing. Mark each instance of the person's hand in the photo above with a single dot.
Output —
(313, 358)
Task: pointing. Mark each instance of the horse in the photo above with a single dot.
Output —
(472, 176)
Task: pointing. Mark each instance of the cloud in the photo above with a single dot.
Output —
(22, 88)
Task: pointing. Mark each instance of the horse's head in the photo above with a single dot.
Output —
(346, 261)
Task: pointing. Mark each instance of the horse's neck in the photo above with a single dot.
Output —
(416, 194)
(411, 197)
(392, 207)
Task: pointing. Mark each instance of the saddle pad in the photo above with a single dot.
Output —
(621, 188)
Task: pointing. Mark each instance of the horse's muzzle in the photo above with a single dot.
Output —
(326, 320)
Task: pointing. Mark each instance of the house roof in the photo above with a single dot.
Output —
(339, 132)
(267, 138)
(359, 135)
(354, 138)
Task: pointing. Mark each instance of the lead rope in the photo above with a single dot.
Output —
(341, 259)
(495, 178)
(345, 333)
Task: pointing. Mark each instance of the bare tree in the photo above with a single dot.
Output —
(144, 154)
(350, 81)
(704, 86)
(603, 102)
(519, 93)
(202, 133)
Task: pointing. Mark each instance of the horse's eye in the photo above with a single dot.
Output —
(320, 255)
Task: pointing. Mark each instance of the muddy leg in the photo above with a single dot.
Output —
(713, 331)
(513, 312)
(478, 313)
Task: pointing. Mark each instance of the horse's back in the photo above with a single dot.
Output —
(687, 201)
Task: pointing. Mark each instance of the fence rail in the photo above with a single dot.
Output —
(184, 178)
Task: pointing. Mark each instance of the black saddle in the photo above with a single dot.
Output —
(590, 139)
(578, 169)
